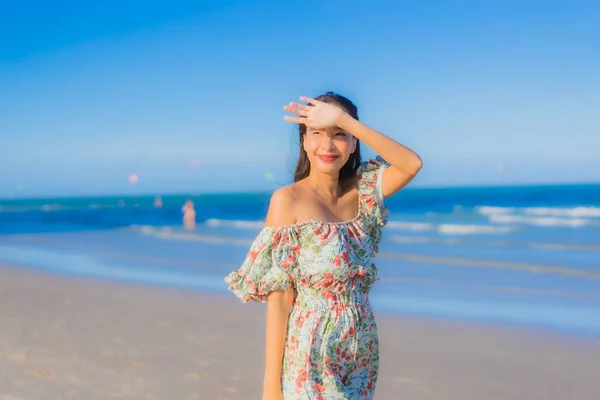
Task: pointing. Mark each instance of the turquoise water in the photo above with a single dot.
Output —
(512, 255)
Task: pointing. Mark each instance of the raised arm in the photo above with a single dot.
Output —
(405, 163)
(279, 304)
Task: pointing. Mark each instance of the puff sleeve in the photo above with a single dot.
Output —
(371, 198)
(370, 173)
(269, 265)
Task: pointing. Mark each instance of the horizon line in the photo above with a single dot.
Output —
(268, 192)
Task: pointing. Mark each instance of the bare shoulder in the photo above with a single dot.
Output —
(282, 206)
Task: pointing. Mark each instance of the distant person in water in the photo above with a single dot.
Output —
(313, 261)
(189, 215)
(158, 203)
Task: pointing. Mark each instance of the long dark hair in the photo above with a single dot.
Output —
(349, 169)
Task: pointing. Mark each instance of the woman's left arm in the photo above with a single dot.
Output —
(404, 163)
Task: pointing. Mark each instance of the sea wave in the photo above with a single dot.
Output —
(18, 209)
(448, 229)
(180, 235)
(573, 217)
(542, 221)
(459, 229)
(495, 243)
(492, 210)
(571, 212)
(577, 212)
(240, 224)
(44, 208)
(52, 207)
(410, 226)
(495, 264)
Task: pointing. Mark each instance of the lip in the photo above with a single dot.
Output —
(328, 158)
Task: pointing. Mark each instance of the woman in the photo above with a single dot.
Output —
(313, 261)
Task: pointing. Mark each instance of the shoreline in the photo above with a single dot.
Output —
(408, 306)
(73, 337)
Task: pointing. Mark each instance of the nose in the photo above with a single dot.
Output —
(327, 143)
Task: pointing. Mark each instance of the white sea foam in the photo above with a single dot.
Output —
(575, 212)
(179, 235)
(449, 229)
(561, 246)
(412, 239)
(424, 240)
(571, 212)
(410, 226)
(574, 217)
(240, 224)
(491, 210)
(496, 264)
(44, 207)
(493, 243)
(460, 229)
(101, 206)
(51, 207)
(540, 221)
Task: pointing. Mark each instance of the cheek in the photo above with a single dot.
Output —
(346, 146)
(310, 146)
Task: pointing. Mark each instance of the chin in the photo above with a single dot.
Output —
(328, 168)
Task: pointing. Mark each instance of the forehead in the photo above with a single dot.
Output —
(333, 129)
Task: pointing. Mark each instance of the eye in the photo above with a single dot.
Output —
(315, 132)
(340, 134)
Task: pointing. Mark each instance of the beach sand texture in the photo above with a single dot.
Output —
(77, 338)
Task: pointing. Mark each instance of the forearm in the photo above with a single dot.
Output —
(278, 309)
(398, 155)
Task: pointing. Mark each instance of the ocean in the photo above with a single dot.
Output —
(526, 255)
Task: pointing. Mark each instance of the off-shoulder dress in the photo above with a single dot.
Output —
(332, 347)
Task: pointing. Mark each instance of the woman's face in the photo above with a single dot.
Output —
(329, 149)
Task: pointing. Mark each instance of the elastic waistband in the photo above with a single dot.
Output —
(337, 301)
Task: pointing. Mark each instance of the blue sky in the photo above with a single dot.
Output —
(189, 95)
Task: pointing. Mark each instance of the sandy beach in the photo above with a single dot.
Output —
(65, 337)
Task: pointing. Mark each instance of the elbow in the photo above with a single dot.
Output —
(416, 165)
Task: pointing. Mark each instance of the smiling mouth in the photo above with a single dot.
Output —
(328, 158)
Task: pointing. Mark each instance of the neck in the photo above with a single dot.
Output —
(326, 185)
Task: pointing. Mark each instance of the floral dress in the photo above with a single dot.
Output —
(332, 347)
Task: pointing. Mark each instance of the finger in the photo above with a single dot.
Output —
(295, 120)
(309, 100)
(296, 110)
(306, 107)
(299, 106)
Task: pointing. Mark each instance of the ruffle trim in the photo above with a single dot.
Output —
(247, 289)
(268, 265)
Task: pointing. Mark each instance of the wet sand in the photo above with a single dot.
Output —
(68, 338)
